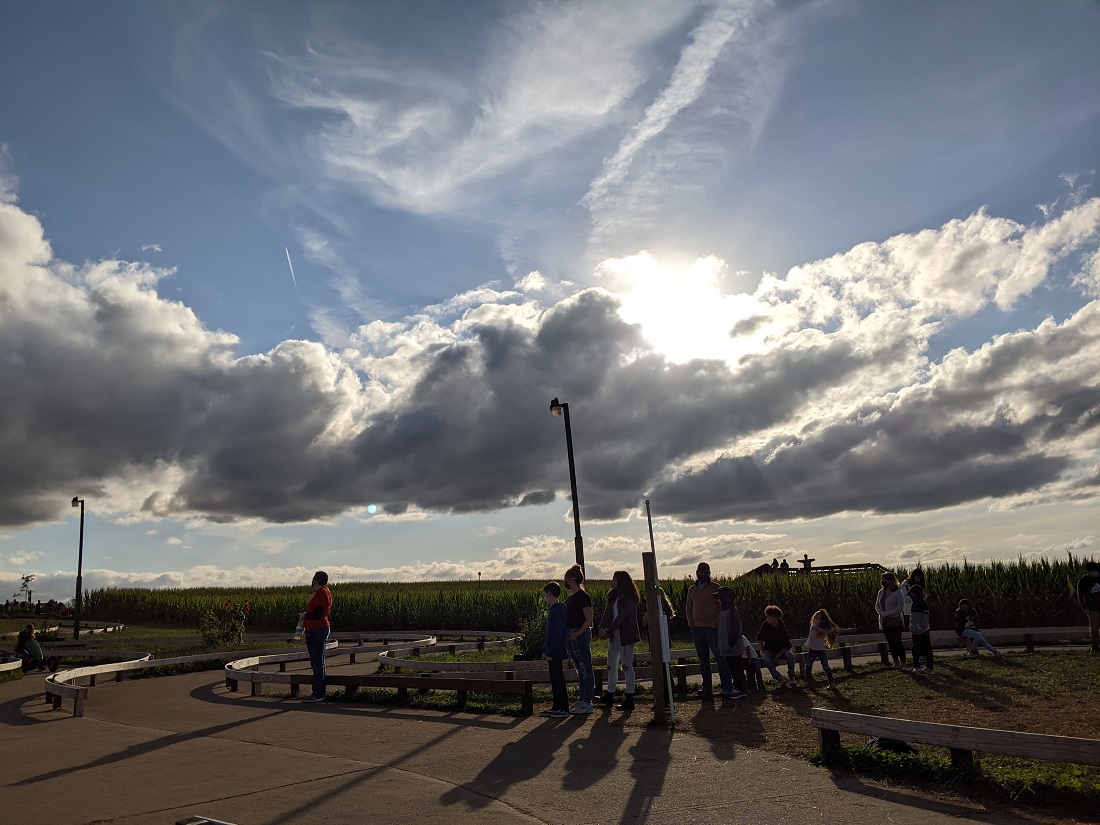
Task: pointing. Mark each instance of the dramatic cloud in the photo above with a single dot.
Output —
(826, 401)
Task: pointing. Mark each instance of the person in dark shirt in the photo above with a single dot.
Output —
(555, 649)
(775, 644)
(919, 622)
(1088, 594)
(966, 627)
(578, 621)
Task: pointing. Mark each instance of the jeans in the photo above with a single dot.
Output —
(1094, 628)
(706, 642)
(977, 640)
(615, 651)
(893, 641)
(769, 662)
(922, 648)
(580, 652)
(823, 655)
(315, 644)
(557, 683)
(736, 664)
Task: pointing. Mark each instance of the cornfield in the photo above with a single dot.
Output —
(1006, 594)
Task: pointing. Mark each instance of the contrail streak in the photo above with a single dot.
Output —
(290, 263)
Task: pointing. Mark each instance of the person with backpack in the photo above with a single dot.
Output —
(731, 641)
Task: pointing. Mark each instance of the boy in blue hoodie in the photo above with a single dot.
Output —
(555, 651)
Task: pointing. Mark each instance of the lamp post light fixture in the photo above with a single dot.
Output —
(557, 408)
(79, 502)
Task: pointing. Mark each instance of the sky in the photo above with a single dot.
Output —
(288, 286)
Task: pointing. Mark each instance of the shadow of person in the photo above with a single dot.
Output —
(592, 757)
(649, 761)
(517, 762)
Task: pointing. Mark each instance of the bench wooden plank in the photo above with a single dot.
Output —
(962, 738)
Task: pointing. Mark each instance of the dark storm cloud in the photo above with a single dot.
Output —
(110, 390)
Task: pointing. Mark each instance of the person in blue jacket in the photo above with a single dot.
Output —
(555, 650)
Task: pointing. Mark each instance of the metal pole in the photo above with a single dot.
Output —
(577, 540)
(79, 578)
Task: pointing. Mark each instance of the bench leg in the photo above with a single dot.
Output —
(962, 760)
(884, 653)
(294, 688)
(78, 705)
(830, 741)
(846, 655)
(460, 697)
(349, 692)
(403, 694)
(255, 688)
(528, 699)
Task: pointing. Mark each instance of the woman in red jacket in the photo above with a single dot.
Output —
(316, 623)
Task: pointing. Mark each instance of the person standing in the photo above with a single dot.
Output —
(919, 622)
(578, 621)
(619, 626)
(822, 636)
(315, 620)
(1088, 594)
(555, 650)
(702, 618)
(775, 644)
(731, 641)
(966, 627)
(888, 605)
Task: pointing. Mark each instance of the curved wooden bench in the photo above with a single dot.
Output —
(249, 670)
(962, 741)
(62, 685)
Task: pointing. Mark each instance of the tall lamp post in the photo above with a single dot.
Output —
(79, 502)
(557, 408)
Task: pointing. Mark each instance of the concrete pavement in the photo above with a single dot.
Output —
(159, 750)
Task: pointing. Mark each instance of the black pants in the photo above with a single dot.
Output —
(922, 648)
(737, 671)
(557, 683)
(893, 641)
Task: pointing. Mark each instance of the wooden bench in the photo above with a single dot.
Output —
(960, 740)
(402, 683)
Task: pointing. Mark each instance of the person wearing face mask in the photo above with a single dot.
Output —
(702, 617)
(919, 622)
(1088, 594)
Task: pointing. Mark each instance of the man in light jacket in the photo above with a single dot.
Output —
(702, 618)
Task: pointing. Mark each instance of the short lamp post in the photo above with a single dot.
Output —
(79, 502)
(557, 408)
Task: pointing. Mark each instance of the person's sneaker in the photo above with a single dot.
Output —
(736, 694)
(920, 669)
(998, 655)
(315, 699)
(973, 655)
(576, 707)
(548, 713)
(581, 708)
(559, 714)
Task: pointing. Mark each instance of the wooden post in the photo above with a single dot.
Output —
(293, 688)
(830, 741)
(884, 653)
(1030, 642)
(656, 648)
(528, 699)
(460, 696)
(962, 760)
(598, 674)
(846, 655)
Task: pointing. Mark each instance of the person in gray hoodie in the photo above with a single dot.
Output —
(731, 641)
